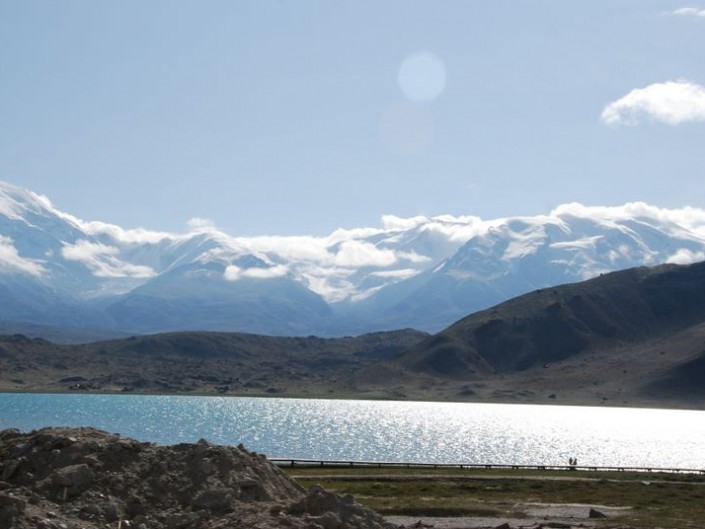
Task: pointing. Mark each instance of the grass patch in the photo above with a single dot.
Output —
(670, 501)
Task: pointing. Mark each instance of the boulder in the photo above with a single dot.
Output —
(11, 508)
(75, 476)
(594, 513)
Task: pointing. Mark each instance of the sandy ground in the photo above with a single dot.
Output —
(558, 516)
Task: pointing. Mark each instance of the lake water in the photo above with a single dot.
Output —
(383, 431)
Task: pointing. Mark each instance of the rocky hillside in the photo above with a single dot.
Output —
(89, 479)
(554, 324)
(629, 335)
(195, 362)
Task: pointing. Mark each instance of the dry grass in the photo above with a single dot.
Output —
(669, 501)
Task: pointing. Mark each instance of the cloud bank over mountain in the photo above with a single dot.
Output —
(423, 272)
(10, 259)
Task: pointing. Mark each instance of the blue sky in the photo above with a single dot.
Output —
(289, 117)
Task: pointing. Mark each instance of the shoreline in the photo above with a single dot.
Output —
(201, 364)
(363, 396)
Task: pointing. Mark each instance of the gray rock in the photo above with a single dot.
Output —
(111, 512)
(249, 483)
(181, 520)
(18, 450)
(594, 513)
(215, 500)
(91, 511)
(329, 520)
(9, 468)
(74, 476)
(251, 489)
(10, 509)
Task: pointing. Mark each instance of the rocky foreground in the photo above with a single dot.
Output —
(89, 479)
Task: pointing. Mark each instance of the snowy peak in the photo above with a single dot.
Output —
(507, 257)
(394, 275)
(17, 203)
(583, 242)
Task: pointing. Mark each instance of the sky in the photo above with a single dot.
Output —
(299, 117)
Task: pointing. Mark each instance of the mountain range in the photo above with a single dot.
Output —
(628, 338)
(632, 337)
(57, 270)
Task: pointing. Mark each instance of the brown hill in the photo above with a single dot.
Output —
(195, 362)
(649, 322)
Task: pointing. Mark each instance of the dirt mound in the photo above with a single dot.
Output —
(89, 479)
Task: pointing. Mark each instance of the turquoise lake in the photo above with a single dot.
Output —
(382, 430)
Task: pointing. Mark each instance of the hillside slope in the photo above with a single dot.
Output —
(224, 363)
(638, 332)
(556, 323)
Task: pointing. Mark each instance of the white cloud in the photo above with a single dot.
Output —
(235, 273)
(685, 256)
(360, 296)
(453, 228)
(359, 254)
(524, 244)
(331, 284)
(585, 243)
(265, 273)
(118, 234)
(394, 223)
(232, 273)
(404, 273)
(218, 247)
(683, 222)
(103, 260)
(10, 259)
(355, 233)
(326, 264)
(200, 224)
(302, 248)
(413, 257)
(86, 251)
(688, 11)
(672, 102)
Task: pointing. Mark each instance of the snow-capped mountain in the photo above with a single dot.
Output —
(509, 257)
(423, 272)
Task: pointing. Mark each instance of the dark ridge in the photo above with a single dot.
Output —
(555, 324)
